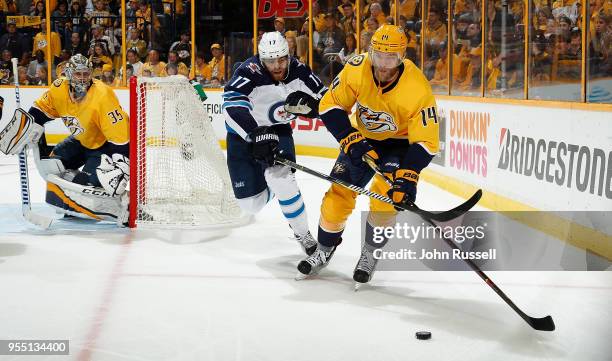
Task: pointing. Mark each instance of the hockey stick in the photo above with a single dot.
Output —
(540, 324)
(26, 209)
(440, 217)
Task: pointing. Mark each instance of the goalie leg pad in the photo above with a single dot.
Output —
(84, 201)
(47, 166)
(20, 131)
(50, 166)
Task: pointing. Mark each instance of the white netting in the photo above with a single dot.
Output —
(182, 176)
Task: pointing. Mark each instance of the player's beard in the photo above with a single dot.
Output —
(385, 75)
(278, 74)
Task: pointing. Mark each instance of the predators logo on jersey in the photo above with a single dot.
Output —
(375, 122)
(73, 125)
(339, 168)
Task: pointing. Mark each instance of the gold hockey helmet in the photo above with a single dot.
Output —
(388, 46)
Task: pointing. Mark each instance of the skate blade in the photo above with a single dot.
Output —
(357, 286)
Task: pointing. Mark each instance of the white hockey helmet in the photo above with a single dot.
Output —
(273, 45)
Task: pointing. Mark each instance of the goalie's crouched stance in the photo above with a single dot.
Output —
(88, 172)
(75, 193)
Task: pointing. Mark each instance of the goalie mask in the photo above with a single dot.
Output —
(78, 72)
(273, 52)
(387, 50)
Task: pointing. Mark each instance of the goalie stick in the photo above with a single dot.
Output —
(439, 217)
(540, 324)
(26, 209)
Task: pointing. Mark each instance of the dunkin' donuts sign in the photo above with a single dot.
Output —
(467, 146)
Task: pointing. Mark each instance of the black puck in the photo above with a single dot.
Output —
(423, 335)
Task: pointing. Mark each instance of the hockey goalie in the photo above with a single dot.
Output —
(88, 172)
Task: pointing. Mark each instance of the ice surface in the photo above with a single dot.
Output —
(119, 294)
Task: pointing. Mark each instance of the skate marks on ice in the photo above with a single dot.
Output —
(403, 307)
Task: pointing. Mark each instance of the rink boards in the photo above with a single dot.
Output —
(547, 156)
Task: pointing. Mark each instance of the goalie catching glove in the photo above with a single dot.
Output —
(265, 143)
(20, 131)
(114, 173)
(403, 189)
(301, 103)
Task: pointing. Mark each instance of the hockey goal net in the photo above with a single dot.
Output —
(178, 172)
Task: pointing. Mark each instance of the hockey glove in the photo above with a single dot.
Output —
(301, 103)
(114, 173)
(355, 146)
(403, 189)
(265, 143)
(20, 131)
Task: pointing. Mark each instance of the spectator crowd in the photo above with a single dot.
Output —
(555, 46)
(158, 40)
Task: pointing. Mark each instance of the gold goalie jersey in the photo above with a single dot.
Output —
(403, 109)
(94, 120)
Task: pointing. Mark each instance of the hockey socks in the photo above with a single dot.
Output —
(294, 211)
(328, 240)
(282, 182)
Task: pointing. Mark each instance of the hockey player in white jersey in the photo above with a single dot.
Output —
(258, 126)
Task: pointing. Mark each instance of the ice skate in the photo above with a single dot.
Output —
(307, 242)
(314, 263)
(365, 267)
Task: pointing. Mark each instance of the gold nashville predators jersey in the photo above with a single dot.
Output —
(403, 109)
(94, 120)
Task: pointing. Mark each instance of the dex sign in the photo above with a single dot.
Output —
(281, 8)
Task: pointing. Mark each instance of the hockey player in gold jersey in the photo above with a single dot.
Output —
(95, 154)
(395, 123)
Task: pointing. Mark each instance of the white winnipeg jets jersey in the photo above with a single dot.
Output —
(252, 98)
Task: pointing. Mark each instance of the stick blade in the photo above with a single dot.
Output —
(37, 219)
(455, 212)
(542, 324)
